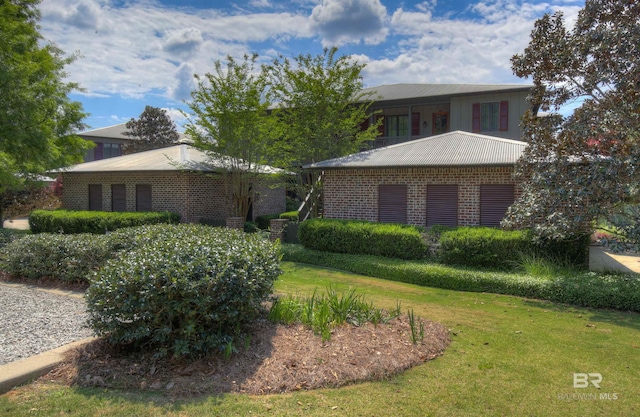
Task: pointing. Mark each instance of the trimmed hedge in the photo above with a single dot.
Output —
(97, 222)
(293, 216)
(585, 289)
(487, 247)
(187, 290)
(361, 237)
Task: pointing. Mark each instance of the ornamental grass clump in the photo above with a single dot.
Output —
(186, 292)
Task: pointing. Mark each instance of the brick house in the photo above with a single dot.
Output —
(178, 178)
(414, 111)
(455, 178)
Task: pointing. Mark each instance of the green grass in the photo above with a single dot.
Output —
(509, 356)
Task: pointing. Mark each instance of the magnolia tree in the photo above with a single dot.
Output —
(582, 170)
(230, 121)
(154, 129)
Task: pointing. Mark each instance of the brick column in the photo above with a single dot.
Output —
(235, 223)
(277, 227)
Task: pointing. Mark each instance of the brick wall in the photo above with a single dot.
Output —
(353, 193)
(194, 196)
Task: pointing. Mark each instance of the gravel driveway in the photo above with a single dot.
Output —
(36, 320)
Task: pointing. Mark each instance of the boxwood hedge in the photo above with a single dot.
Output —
(98, 222)
(361, 237)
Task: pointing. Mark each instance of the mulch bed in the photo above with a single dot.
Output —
(277, 359)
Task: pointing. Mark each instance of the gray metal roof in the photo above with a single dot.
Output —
(449, 149)
(114, 132)
(411, 91)
(173, 158)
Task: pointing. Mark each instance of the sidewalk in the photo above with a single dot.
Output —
(602, 259)
(21, 223)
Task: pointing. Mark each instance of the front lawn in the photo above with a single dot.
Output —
(508, 356)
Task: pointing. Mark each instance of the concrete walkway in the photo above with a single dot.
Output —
(601, 259)
(21, 223)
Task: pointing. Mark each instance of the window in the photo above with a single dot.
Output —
(143, 197)
(398, 125)
(495, 199)
(118, 197)
(442, 205)
(106, 150)
(95, 197)
(392, 203)
(440, 123)
(490, 117)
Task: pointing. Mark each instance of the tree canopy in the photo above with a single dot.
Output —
(583, 168)
(38, 120)
(154, 129)
(320, 106)
(231, 122)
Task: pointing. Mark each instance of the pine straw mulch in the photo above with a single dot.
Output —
(277, 359)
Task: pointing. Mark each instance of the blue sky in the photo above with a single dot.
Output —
(134, 53)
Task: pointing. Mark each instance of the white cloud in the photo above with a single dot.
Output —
(182, 42)
(184, 84)
(350, 21)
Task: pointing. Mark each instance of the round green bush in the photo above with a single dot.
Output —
(187, 290)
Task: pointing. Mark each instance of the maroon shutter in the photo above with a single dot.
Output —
(381, 127)
(98, 152)
(442, 205)
(415, 124)
(143, 197)
(364, 125)
(495, 199)
(476, 117)
(95, 197)
(118, 197)
(504, 115)
(392, 203)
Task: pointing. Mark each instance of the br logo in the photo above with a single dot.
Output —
(581, 380)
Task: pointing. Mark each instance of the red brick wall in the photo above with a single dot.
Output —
(353, 193)
(194, 196)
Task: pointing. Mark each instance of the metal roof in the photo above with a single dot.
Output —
(173, 158)
(449, 149)
(392, 92)
(114, 132)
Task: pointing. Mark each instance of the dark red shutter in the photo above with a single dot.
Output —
(118, 197)
(504, 115)
(381, 127)
(442, 205)
(415, 124)
(392, 203)
(476, 117)
(495, 199)
(365, 125)
(98, 152)
(143, 197)
(95, 197)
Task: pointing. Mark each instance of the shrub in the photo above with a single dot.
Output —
(487, 247)
(585, 289)
(360, 237)
(98, 222)
(187, 290)
(483, 247)
(69, 258)
(9, 235)
(293, 216)
(263, 221)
